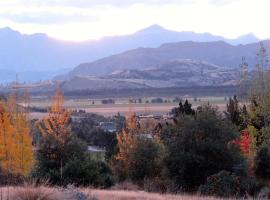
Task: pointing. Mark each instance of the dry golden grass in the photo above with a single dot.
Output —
(30, 193)
(46, 193)
(140, 195)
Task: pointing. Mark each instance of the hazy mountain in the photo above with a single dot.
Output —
(177, 73)
(218, 53)
(38, 52)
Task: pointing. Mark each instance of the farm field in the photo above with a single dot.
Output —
(123, 106)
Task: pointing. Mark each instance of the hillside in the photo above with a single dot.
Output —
(218, 53)
(177, 73)
(38, 56)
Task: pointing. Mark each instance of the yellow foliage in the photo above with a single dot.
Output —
(57, 122)
(127, 140)
(16, 152)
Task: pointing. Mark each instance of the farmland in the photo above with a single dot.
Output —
(123, 105)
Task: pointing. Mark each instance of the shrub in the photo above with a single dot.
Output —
(146, 160)
(222, 184)
(87, 171)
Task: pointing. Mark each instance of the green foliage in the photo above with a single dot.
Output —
(262, 163)
(183, 109)
(236, 114)
(146, 160)
(199, 146)
(51, 157)
(70, 163)
(223, 184)
(88, 130)
(86, 171)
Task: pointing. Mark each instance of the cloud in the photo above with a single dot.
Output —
(90, 3)
(47, 17)
(222, 2)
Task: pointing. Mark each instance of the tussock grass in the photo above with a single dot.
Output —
(33, 193)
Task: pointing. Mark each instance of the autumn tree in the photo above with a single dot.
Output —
(61, 156)
(126, 142)
(16, 153)
(139, 154)
(56, 134)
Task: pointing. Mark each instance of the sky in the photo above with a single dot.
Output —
(79, 20)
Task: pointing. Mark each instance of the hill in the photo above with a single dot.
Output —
(217, 53)
(176, 73)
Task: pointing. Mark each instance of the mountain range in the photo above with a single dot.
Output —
(217, 53)
(38, 57)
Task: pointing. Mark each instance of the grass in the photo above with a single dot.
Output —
(140, 195)
(30, 192)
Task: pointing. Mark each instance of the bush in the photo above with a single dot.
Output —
(222, 184)
(146, 160)
(86, 171)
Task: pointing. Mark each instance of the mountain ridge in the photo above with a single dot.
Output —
(218, 53)
(39, 52)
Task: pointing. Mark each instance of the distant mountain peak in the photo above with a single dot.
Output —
(152, 28)
(8, 31)
(246, 39)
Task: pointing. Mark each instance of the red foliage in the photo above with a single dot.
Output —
(243, 142)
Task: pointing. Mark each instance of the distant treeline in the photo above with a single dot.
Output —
(142, 92)
(162, 92)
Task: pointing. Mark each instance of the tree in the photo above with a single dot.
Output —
(61, 156)
(182, 109)
(16, 152)
(57, 145)
(57, 125)
(199, 146)
(146, 160)
(262, 164)
(233, 111)
(126, 142)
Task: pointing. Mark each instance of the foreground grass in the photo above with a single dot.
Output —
(140, 195)
(47, 193)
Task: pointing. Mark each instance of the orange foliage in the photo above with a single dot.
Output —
(57, 123)
(16, 152)
(244, 142)
(127, 140)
